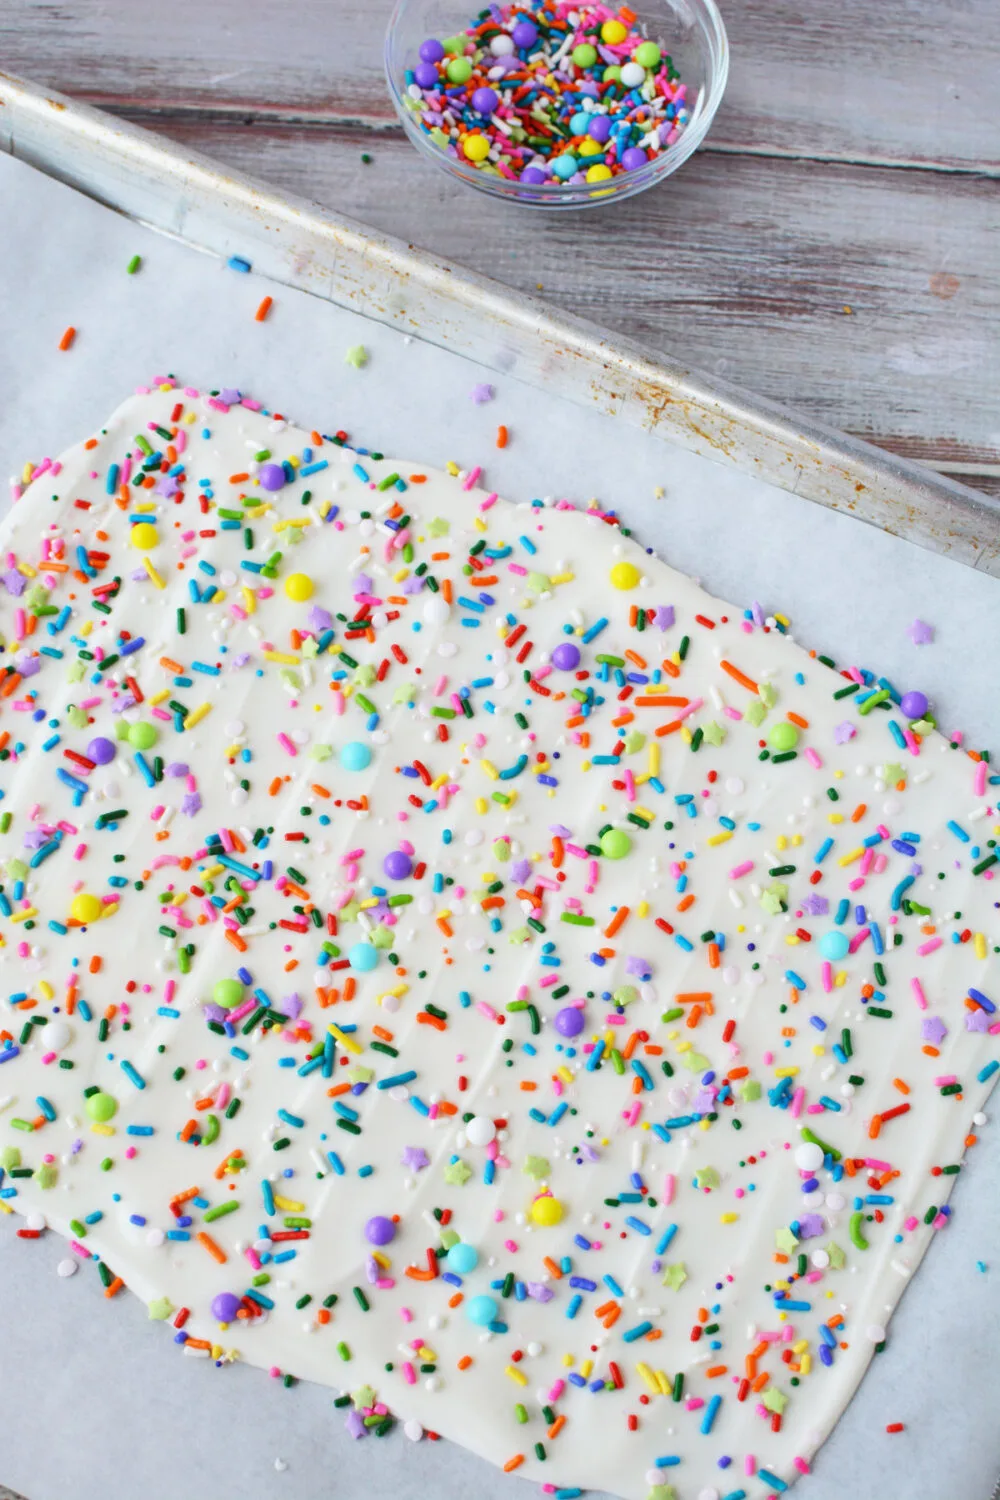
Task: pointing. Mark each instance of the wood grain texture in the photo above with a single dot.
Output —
(852, 166)
(737, 264)
(910, 81)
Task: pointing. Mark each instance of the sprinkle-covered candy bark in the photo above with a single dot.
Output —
(450, 956)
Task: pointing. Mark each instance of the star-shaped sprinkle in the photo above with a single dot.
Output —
(707, 1178)
(675, 1276)
(437, 527)
(774, 1399)
(844, 731)
(892, 772)
(357, 356)
(480, 394)
(920, 633)
(415, 1157)
(160, 1309)
(457, 1172)
(364, 1397)
(714, 733)
(536, 1167)
(933, 1030)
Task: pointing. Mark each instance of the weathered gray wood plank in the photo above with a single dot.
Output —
(743, 265)
(911, 81)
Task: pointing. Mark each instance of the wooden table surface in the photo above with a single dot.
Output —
(835, 245)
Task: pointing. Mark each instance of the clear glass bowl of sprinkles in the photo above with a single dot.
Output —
(552, 104)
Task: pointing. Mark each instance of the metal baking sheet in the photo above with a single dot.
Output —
(301, 244)
(95, 1400)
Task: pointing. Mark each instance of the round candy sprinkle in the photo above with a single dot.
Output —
(271, 476)
(225, 1306)
(363, 957)
(566, 656)
(624, 575)
(299, 586)
(527, 99)
(462, 1258)
(144, 536)
(481, 1310)
(546, 1212)
(355, 756)
(834, 945)
(380, 1230)
(85, 908)
(480, 1130)
(227, 993)
(143, 735)
(397, 865)
(914, 704)
(569, 1021)
(101, 1107)
(615, 843)
(783, 737)
(101, 751)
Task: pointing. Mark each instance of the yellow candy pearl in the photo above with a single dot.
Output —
(546, 1212)
(613, 32)
(299, 587)
(476, 147)
(85, 908)
(144, 536)
(589, 147)
(600, 173)
(624, 575)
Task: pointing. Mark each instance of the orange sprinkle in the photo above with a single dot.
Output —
(95, 963)
(714, 1371)
(875, 1127)
(738, 676)
(797, 719)
(557, 1426)
(501, 436)
(552, 1267)
(263, 310)
(617, 921)
(465, 1362)
(66, 342)
(859, 812)
(513, 1463)
(115, 1286)
(236, 940)
(207, 1243)
(904, 1088)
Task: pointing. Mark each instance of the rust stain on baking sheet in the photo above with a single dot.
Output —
(944, 285)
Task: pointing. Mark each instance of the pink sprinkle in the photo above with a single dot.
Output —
(406, 1314)
(931, 946)
(286, 743)
(79, 851)
(979, 779)
(798, 1099)
(471, 478)
(409, 1373)
(859, 938)
(738, 871)
(80, 1250)
(669, 1187)
(943, 1079)
(750, 1464)
(813, 758)
(910, 1223)
(826, 976)
(486, 1010)
(49, 1057)
(488, 503)
(918, 993)
(801, 1465)
(557, 1390)
(517, 568)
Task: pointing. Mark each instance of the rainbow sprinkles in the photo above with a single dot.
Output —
(449, 956)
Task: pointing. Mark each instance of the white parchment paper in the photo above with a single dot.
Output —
(96, 1403)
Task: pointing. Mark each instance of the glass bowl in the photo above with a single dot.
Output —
(690, 31)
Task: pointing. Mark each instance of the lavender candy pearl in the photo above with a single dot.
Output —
(569, 1021)
(634, 157)
(599, 128)
(914, 705)
(431, 51)
(271, 476)
(425, 75)
(566, 656)
(525, 34)
(380, 1231)
(484, 101)
(397, 865)
(101, 751)
(225, 1307)
(533, 174)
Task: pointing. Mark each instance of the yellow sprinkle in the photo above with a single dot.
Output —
(481, 805)
(686, 734)
(197, 714)
(249, 600)
(401, 575)
(289, 1205)
(385, 1263)
(786, 1072)
(642, 910)
(781, 842)
(47, 991)
(284, 656)
(796, 840)
(23, 916)
(728, 1218)
(292, 521)
(721, 838)
(154, 575)
(568, 1359)
(369, 901)
(649, 1378)
(848, 859)
(684, 1046)
(231, 751)
(5, 1207)
(805, 1364)
(663, 1381)
(792, 940)
(345, 1041)
(190, 417)
(27, 472)
(99, 1129)
(800, 1347)
(562, 577)
(214, 870)
(841, 979)
(480, 524)
(453, 468)
(783, 620)
(490, 769)
(645, 812)
(439, 782)
(158, 697)
(85, 627)
(586, 1368)
(979, 943)
(585, 765)
(518, 1376)
(835, 817)
(564, 1074)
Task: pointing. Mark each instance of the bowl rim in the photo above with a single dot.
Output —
(577, 194)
